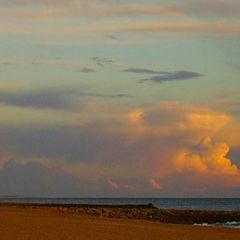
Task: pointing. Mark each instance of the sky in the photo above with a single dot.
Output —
(120, 98)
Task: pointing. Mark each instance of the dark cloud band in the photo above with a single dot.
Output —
(173, 76)
(58, 98)
(164, 76)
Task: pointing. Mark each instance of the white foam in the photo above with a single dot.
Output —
(233, 224)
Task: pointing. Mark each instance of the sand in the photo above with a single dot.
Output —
(44, 223)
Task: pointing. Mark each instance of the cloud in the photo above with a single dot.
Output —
(48, 181)
(87, 143)
(138, 10)
(188, 27)
(86, 70)
(40, 98)
(136, 116)
(119, 95)
(122, 185)
(199, 185)
(102, 62)
(196, 27)
(213, 8)
(111, 37)
(143, 71)
(226, 104)
(51, 98)
(133, 145)
(77, 65)
(34, 179)
(209, 17)
(154, 184)
(179, 140)
(164, 76)
(173, 76)
(205, 121)
(54, 9)
(112, 184)
(234, 154)
(207, 156)
(7, 85)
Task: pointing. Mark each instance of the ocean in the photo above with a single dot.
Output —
(221, 204)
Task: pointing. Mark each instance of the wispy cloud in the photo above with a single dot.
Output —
(86, 70)
(68, 64)
(143, 71)
(102, 61)
(50, 9)
(187, 27)
(154, 184)
(111, 37)
(212, 8)
(103, 27)
(173, 76)
(164, 76)
(112, 184)
(192, 17)
(8, 86)
(120, 95)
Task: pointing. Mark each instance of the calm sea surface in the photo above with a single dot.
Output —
(166, 203)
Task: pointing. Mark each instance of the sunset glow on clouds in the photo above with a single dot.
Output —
(120, 98)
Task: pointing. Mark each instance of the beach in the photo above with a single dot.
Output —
(34, 222)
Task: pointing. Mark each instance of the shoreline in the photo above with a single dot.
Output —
(29, 222)
(136, 212)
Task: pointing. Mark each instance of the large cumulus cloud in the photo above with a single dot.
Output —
(142, 150)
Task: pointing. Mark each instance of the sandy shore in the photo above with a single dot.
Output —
(25, 223)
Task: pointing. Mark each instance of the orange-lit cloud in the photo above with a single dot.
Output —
(112, 184)
(193, 150)
(154, 184)
(54, 9)
(217, 28)
(208, 157)
(145, 148)
(136, 116)
(4, 157)
(205, 121)
(8, 86)
(212, 28)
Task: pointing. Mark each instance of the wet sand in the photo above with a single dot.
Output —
(25, 223)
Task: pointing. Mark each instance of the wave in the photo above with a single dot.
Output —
(233, 224)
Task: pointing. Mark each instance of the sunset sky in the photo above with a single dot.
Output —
(110, 98)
